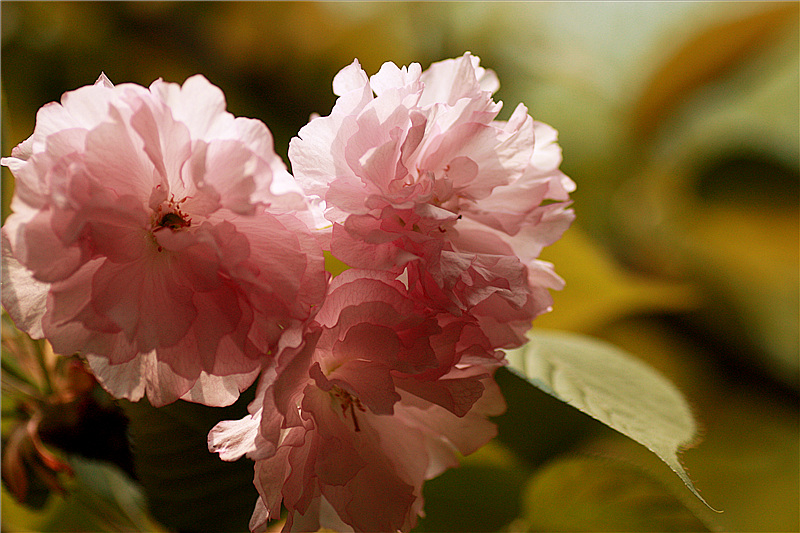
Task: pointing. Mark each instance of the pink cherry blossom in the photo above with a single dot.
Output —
(346, 429)
(408, 138)
(419, 176)
(161, 237)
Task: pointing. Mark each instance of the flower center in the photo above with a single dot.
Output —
(173, 221)
(169, 215)
(348, 402)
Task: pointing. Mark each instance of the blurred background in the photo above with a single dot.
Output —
(679, 123)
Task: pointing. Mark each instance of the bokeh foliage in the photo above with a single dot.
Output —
(678, 121)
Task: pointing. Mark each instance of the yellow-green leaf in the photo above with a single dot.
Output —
(612, 386)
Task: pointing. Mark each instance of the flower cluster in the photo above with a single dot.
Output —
(164, 240)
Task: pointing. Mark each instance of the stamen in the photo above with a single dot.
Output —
(355, 420)
(349, 402)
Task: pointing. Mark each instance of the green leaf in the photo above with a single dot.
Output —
(108, 495)
(536, 426)
(613, 387)
(99, 498)
(189, 488)
(593, 494)
(748, 463)
(482, 494)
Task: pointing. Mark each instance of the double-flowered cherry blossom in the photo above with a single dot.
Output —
(417, 175)
(160, 236)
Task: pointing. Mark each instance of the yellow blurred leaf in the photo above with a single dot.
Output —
(589, 494)
(599, 290)
(706, 57)
(748, 257)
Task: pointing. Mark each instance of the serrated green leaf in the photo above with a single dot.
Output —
(612, 386)
(748, 462)
(593, 494)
